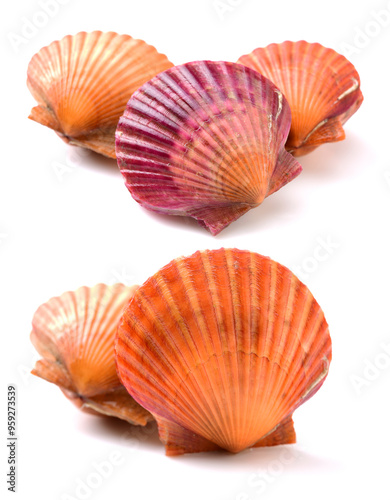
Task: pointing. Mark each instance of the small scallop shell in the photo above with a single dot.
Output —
(321, 86)
(222, 347)
(83, 82)
(74, 333)
(205, 140)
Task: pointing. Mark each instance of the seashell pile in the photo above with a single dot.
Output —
(222, 347)
(205, 140)
(74, 333)
(83, 82)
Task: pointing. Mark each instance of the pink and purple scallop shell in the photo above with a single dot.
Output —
(205, 140)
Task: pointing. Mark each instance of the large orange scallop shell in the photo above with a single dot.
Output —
(321, 86)
(83, 82)
(222, 347)
(74, 333)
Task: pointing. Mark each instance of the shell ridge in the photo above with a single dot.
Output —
(225, 421)
(217, 89)
(75, 46)
(197, 181)
(305, 363)
(172, 393)
(240, 159)
(91, 325)
(261, 340)
(205, 362)
(232, 264)
(173, 366)
(254, 129)
(214, 407)
(286, 303)
(161, 122)
(100, 351)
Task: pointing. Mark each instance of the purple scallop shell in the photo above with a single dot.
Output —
(205, 140)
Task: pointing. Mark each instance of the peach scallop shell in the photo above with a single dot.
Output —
(74, 333)
(83, 82)
(205, 140)
(321, 86)
(221, 347)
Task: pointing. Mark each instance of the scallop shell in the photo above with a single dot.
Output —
(205, 140)
(74, 333)
(83, 82)
(222, 347)
(321, 86)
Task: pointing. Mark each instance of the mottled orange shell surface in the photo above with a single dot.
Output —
(74, 334)
(321, 86)
(222, 347)
(83, 82)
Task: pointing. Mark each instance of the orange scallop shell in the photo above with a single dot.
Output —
(83, 82)
(321, 86)
(222, 347)
(74, 333)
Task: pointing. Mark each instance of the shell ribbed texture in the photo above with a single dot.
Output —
(74, 333)
(83, 82)
(206, 140)
(225, 344)
(321, 86)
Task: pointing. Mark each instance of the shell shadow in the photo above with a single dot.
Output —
(90, 160)
(178, 221)
(265, 215)
(95, 161)
(329, 163)
(270, 213)
(290, 457)
(121, 432)
(336, 161)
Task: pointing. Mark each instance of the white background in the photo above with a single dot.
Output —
(61, 232)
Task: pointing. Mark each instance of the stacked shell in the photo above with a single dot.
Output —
(321, 86)
(74, 334)
(205, 140)
(222, 347)
(83, 82)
